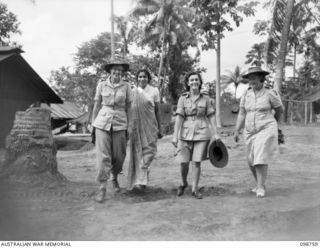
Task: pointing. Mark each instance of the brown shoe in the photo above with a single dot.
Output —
(197, 195)
(101, 195)
(115, 185)
(181, 189)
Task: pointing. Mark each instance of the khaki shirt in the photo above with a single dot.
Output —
(196, 123)
(116, 100)
(258, 108)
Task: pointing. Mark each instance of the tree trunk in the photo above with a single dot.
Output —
(160, 83)
(283, 46)
(218, 117)
(294, 61)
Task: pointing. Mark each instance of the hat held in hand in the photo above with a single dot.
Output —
(218, 154)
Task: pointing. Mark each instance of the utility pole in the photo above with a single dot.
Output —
(112, 32)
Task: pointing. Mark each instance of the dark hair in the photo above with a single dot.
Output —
(146, 72)
(186, 80)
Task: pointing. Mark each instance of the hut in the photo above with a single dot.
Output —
(20, 87)
(62, 114)
(312, 107)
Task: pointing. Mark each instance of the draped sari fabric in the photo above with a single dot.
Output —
(142, 145)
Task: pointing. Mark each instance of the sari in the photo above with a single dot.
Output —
(143, 142)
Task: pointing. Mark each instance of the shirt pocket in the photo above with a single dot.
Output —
(120, 98)
(201, 109)
(187, 108)
(107, 97)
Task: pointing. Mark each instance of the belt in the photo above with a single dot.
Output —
(114, 107)
(190, 118)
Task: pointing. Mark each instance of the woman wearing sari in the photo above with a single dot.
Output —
(145, 130)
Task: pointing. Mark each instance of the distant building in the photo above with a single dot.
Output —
(20, 87)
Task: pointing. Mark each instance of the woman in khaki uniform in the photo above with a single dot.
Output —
(111, 120)
(194, 126)
(260, 110)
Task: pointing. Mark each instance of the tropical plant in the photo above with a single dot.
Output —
(167, 18)
(127, 31)
(255, 55)
(213, 18)
(233, 77)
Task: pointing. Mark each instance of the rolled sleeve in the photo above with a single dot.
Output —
(275, 99)
(180, 109)
(97, 96)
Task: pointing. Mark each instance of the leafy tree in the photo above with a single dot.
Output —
(213, 18)
(78, 84)
(75, 86)
(9, 25)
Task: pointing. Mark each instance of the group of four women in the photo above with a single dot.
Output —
(122, 112)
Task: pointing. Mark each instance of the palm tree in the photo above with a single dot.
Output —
(234, 77)
(283, 46)
(126, 33)
(255, 55)
(168, 18)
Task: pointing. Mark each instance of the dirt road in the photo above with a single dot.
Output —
(291, 210)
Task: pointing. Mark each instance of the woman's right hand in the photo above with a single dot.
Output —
(236, 136)
(174, 141)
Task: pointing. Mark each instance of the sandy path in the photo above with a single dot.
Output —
(228, 211)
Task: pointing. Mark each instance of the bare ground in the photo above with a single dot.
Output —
(66, 211)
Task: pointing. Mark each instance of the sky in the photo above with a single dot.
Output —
(53, 29)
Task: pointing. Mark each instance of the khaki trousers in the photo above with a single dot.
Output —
(111, 152)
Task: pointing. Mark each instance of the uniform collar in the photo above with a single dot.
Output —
(114, 85)
(188, 94)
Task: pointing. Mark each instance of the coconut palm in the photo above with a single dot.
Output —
(255, 55)
(126, 31)
(168, 18)
(233, 77)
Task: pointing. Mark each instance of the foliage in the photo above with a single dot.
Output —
(167, 32)
(78, 84)
(128, 30)
(9, 25)
(214, 18)
(233, 77)
(78, 87)
(256, 54)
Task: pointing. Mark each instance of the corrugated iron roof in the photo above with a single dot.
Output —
(67, 110)
(82, 119)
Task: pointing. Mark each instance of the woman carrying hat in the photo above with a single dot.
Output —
(111, 120)
(194, 126)
(146, 130)
(260, 126)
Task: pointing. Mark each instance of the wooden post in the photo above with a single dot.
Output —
(305, 112)
(311, 110)
(112, 32)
